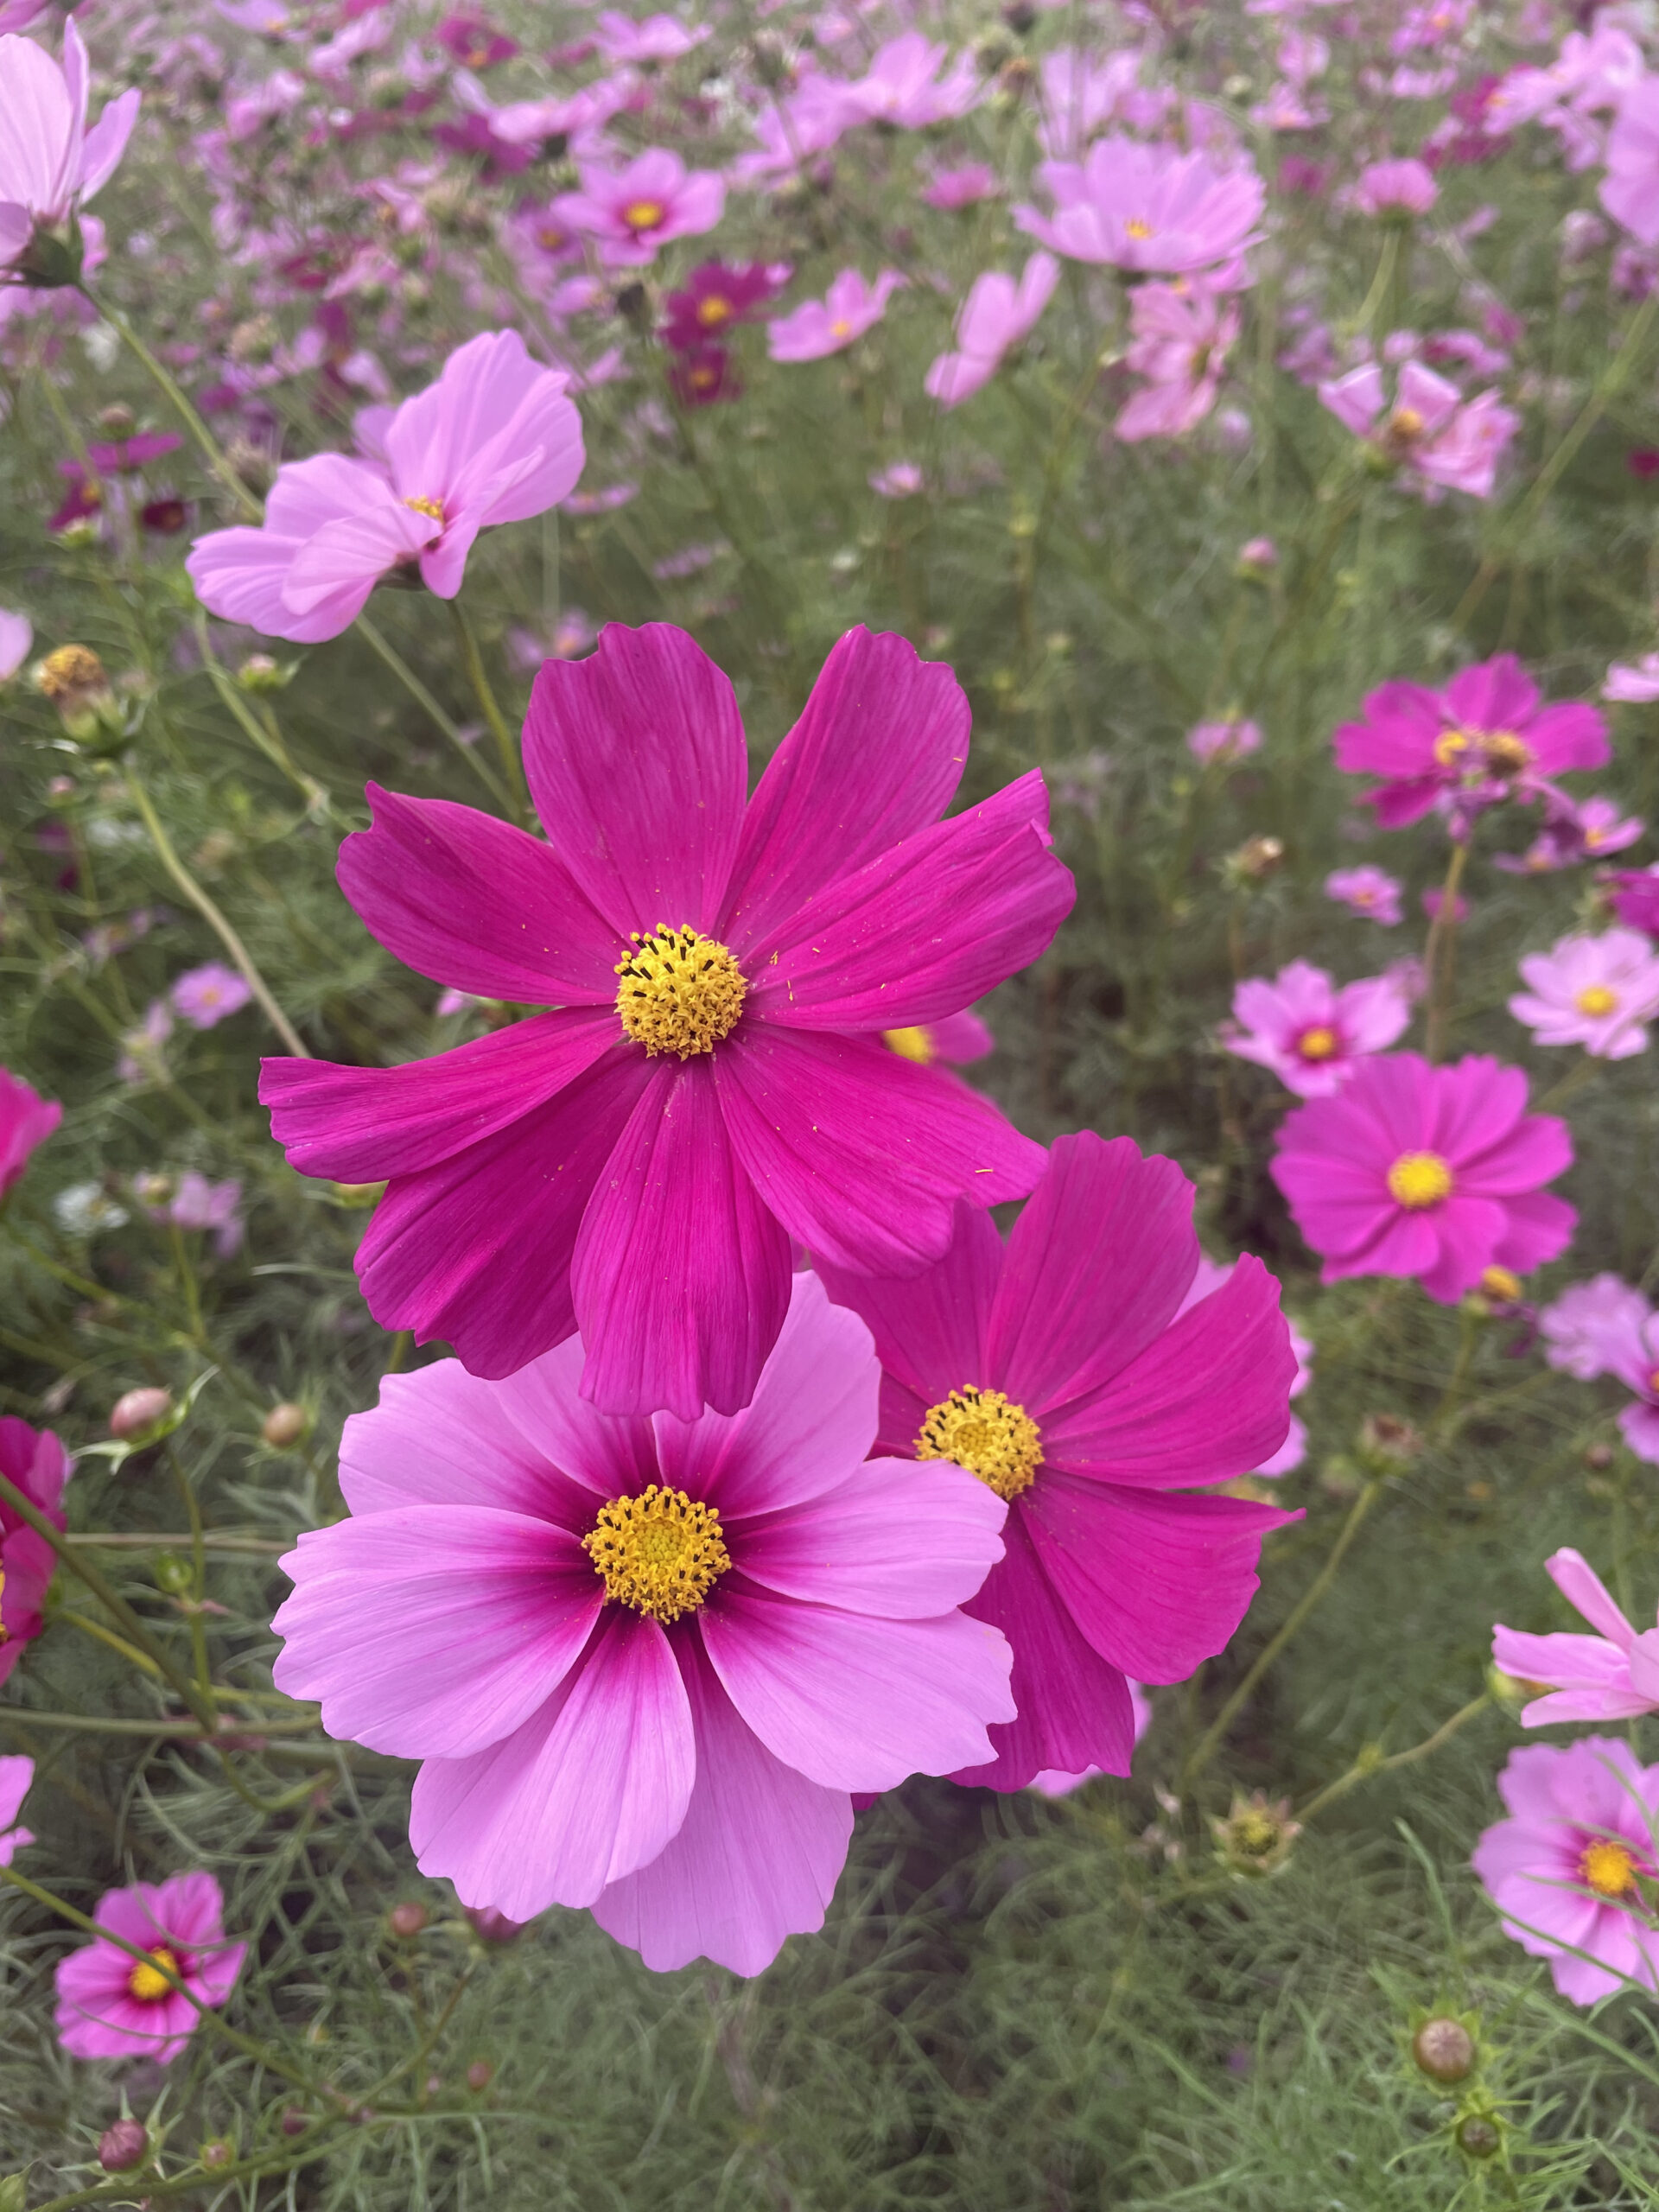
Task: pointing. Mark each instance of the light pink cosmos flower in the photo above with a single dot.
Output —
(829, 325)
(963, 187)
(1405, 188)
(1146, 207)
(672, 1649)
(495, 439)
(1181, 339)
(206, 996)
(1429, 429)
(1435, 1173)
(1636, 684)
(112, 2005)
(17, 1774)
(1312, 1034)
(1599, 991)
(1565, 1868)
(909, 86)
(198, 1204)
(1370, 892)
(1059, 1370)
(16, 636)
(1613, 1676)
(1592, 1328)
(1225, 740)
(50, 163)
(636, 1161)
(25, 1121)
(34, 1462)
(901, 479)
(1630, 191)
(996, 315)
(659, 38)
(631, 211)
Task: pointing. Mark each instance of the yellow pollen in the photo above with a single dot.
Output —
(1506, 751)
(1419, 1179)
(1404, 425)
(5, 1633)
(701, 379)
(659, 1552)
(1138, 227)
(681, 992)
(986, 1433)
(841, 329)
(148, 1983)
(1594, 839)
(713, 311)
(1607, 1868)
(1450, 746)
(643, 214)
(550, 236)
(1595, 1000)
(1501, 1282)
(1317, 1044)
(910, 1044)
(70, 668)
(431, 508)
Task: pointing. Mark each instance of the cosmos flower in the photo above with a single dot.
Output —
(206, 996)
(1574, 832)
(1370, 892)
(711, 1082)
(1630, 190)
(1564, 1869)
(829, 325)
(17, 1774)
(16, 636)
(1404, 187)
(1146, 207)
(996, 315)
(909, 86)
(659, 38)
(716, 297)
(1309, 1032)
(1181, 345)
(1429, 430)
(50, 164)
(112, 2005)
(25, 1121)
(1635, 683)
(956, 189)
(1599, 991)
(1592, 1328)
(1435, 1173)
(1633, 893)
(631, 212)
(1052, 1782)
(37, 1463)
(1613, 1676)
(1056, 1371)
(673, 1648)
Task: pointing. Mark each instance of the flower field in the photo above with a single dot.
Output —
(828, 1188)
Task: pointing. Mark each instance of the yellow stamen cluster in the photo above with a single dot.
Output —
(1607, 1868)
(70, 671)
(1596, 999)
(1321, 1043)
(1495, 752)
(1505, 751)
(1402, 430)
(713, 310)
(986, 1433)
(910, 1044)
(660, 1553)
(148, 1983)
(643, 214)
(1501, 1283)
(1419, 1179)
(1138, 227)
(681, 992)
(431, 508)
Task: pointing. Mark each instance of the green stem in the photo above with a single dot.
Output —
(266, 736)
(1440, 955)
(511, 766)
(1363, 1768)
(108, 1637)
(429, 706)
(209, 446)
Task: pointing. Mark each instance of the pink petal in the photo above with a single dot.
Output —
(930, 1328)
(353, 552)
(680, 1276)
(106, 142)
(476, 903)
(427, 1633)
(898, 1539)
(590, 1788)
(638, 766)
(1584, 1590)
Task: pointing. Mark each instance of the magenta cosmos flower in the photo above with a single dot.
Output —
(1613, 1676)
(25, 1121)
(1431, 1172)
(493, 440)
(1599, 991)
(1484, 739)
(1148, 207)
(672, 1649)
(629, 213)
(712, 1081)
(848, 308)
(996, 315)
(1058, 1371)
(1309, 1032)
(1565, 1869)
(112, 2005)
(50, 163)
(17, 1774)
(36, 1463)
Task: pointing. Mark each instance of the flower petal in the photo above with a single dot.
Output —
(902, 1540)
(930, 1329)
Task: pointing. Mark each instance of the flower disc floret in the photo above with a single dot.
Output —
(660, 1553)
(681, 992)
(1596, 999)
(1607, 1868)
(1318, 1044)
(151, 1983)
(1420, 1180)
(987, 1433)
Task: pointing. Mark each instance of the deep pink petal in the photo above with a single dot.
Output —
(930, 1328)
(896, 1539)
(1496, 695)
(680, 1276)
(638, 766)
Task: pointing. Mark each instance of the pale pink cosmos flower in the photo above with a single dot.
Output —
(1576, 831)
(631, 211)
(963, 187)
(495, 439)
(659, 38)
(1370, 892)
(17, 1774)
(1079, 95)
(198, 1204)
(1405, 188)
(1599, 991)
(901, 479)
(1635, 684)
(1309, 1032)
(1630, 191)
(1429, 429)
(673, 1648)
(16, 636)
(206, 996)
(1613, 1676)
(909, 85)
(1225, 741)
(829, 325)
(50, 163)
(1594, 1327)
(112, 2005)
(996, 315)
(1146, 207)
(1182, 337)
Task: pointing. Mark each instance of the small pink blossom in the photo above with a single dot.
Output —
(206, 996)
(50, 163)
(1146, 207)
(1594, 1327)
(963, 187)
(1370, 892)
(631, 211)
(112, 2005)
(198, 1204)
(909, 86)
(16, 636)
(659, 38)
(141, 1056)
(997, 314)
(828, 326)
(1429, 430)
(17, 1774)
(1182, 334)
(901, 479)
(1599, 991)
(1404, 187)
(1225, 741)
(1258, 555)
(1613, 1676)
(1630, 191)
(1575, 832)
(25, 1121)
(1312, 1034)
(1636, 684)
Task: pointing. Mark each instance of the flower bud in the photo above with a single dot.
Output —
(284, 1425)
(1257, 1836)
(124, 2145)
(1444, 2049)
(1478, 2137)
(1386, 1444)
(1599, 1457)
(259, 674)
(116, 422)
(1257, 557)
(174, 1575)
(480, 2074)
(217, 2152)
(1253, 862)
(136, 1415)
(406, 1920)
(293, 2122)
(73, 678)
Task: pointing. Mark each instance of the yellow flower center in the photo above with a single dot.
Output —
(1451, 746)
(149, 1983)
(431, 508)
(1138, 227)
(1653, 1380)
(713, 311)
(1507, 753)
(660, 1553)
(1405, 427)
(1595, 1000)
(643, 214)
(1419, 1179)
(1501, 1282)
(1607, 1868)
(1317, 1044)
(1254, 1832)
(1594, 839)
(681, 992)
(910, 1044)
(986, 1433)
(841, 329)
(550, 236)
(70, 668)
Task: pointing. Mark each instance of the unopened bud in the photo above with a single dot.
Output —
(284, 1425)
(216, 2154)
(1257, 1836)
(124, 2145)
(136, 1415)
(480, 2073)
(1386, 1444)
(174, 1575)
(259, 673)
(293, 2121)
(1257, 557)
(74, 679)
(1445, 2050)
(406, 1920)
(1477, 2137)
(116, 422)
(1254, 860)
(1599, 1457)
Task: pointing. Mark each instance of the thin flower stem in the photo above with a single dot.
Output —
(1363, 1768)
(1310, 1598)
(1568, 1086)
(107, 1636)
(216, 920)
(265, 735)
(219, 1545)
(199, 1572)
(212, 452)
(429, 706)
(511, 766)
(1440, 955)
